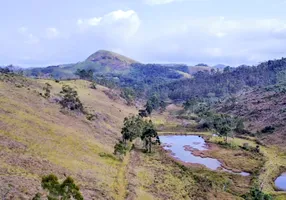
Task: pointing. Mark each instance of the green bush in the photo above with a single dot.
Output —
(70, 99)
(66, 190)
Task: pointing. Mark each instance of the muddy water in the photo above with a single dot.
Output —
(176, 144)
(280, 182)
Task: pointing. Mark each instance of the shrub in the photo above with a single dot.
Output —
(256, 194)
(70, 99)
(66, 190)
(93, 85)
(90, 117)
(268, 129)
(47, 89)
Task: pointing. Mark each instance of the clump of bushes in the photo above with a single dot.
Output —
(135, 127)
(256, 194)
(93, 85)
(128, 94)
(47, 90)
(58, 191)
(247, 147)
(268, 129)
(70, 99)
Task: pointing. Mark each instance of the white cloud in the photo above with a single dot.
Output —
(159, 2)
(52, 33)
(217, 39)
(32, 39)
(120, 24)
(29, 38)
(23, 30)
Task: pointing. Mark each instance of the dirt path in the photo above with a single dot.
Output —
(122, 181)
(131, 174)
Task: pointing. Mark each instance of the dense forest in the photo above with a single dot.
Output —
(217, 84)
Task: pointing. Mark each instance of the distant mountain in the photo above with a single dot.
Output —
(111, 59)
(101, 61)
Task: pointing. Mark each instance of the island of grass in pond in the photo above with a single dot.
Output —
(176, 144)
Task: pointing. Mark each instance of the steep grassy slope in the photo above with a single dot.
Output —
(261, 108)
(37, 139)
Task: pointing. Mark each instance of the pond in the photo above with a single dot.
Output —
(176, 145)
(280, 182)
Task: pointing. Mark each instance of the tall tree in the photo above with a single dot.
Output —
(148, 135)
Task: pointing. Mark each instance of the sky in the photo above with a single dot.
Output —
(37, 33)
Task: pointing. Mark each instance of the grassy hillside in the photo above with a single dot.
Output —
(38, 139)
(263, 110)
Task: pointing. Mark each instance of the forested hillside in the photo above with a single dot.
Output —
(263, 111)
(217, 84)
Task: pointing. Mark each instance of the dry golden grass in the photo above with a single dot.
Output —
(37, 139)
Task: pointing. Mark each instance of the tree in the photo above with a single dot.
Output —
(163, 106)
(149, 107)
(93, 85)
(223, 124)
(148, 135)
(84, 74)
(132, 128)
(190, 104)
(128, 94)
(47, 88)
(120, 149)
(70, 99)
(66, 190)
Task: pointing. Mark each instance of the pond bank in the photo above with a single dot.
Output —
(193, 150)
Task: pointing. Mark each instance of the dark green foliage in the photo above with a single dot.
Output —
(239, 126)
(37, 197)
(225, 83)
(90, 117)
(128, 94)
(163, 106)
(47, 90)
(268, 129)
(148, 135)
(120, 148)
(143, 113)
(256, 194)
(153, 103)
(60, 191)
(149, 107)
(190, 104)
(250, 148)
(135, 127)
(70, 99)
(5, 70)
(222, 124)
(84, 74)
(132, 128)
